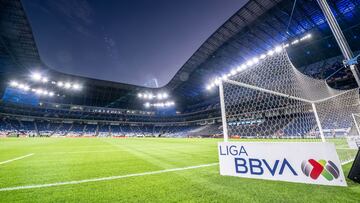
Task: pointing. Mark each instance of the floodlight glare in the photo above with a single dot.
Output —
(51, 94)
(159, 96)
(278, 49)
(270, 53)
(60, 84)
(233, 72)
(36, 76)
(262, 56)
(147, 104)
(140, 95)
(255, 60)
(249, 63)
(295, 42)
(26, 88)
(67, 85)
(44, 80)
(76, 86)
(14, 84)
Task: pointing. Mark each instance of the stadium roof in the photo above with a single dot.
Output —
(254, 29)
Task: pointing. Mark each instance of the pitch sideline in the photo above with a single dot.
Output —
(104, 178)
(15, 159)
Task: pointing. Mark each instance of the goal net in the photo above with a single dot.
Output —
(272, 99)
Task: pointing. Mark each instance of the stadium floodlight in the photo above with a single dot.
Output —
(21, 86)
(270, 53)
(295, 42)
(26, 88)
(262, 56)
(233, 71)
(76, 86)
(286, 45)
(39, 91)
(44, 80)
(36, 76)
(67, 85)
(14, 84)
(278, 49)
(140, 95)
(51, 94)
(159, 96)
(165, 95)
(60, 84)
(147, 104)
(255, 60)
(249, 63)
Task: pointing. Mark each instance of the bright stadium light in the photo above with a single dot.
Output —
(51, 94)
(165, 95)
(76, 86)
(44, 80)
(60, 84)
(140, 95)
(255, 60)
(39, 91)
(26, 88)
(249, 63)
(36, 76)
(67, 85)
(159, 96)
(14, 84)
(295, 42)
(278, 49)
(270, 53)
(147, 104)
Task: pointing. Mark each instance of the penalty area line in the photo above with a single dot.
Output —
(346, 162)
(15, 159)
(105, 178)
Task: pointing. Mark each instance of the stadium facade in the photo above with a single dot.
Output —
(106, 108)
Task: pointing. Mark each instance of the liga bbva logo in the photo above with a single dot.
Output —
(315, 169)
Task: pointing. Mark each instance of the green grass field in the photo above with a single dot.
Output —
(71, 159)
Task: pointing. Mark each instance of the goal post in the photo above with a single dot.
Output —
(240, 117)
(272, 99)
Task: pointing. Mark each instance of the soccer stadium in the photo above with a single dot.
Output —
(267, 109)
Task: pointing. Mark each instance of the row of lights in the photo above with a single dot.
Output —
(26, 88)
(161, 104)
(254, 61)
(38, 77)
(150, 96)
(68, 85)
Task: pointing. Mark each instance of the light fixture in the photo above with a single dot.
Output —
(36, 76)
(14, 84)
(255, 60)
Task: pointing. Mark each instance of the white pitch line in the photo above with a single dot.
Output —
(17, 158)
(346, 162)
(104, 178)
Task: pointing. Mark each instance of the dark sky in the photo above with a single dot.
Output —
(130, 41)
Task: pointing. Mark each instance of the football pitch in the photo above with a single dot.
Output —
(139, 170)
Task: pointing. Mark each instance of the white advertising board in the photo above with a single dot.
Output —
(303, 162)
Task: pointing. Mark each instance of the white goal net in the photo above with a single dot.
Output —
(272, 99)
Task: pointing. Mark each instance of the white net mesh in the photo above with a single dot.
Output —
(274, 100)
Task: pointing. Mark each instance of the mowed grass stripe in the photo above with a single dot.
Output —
(105, 178)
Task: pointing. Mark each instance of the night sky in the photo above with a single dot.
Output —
(130, 41)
